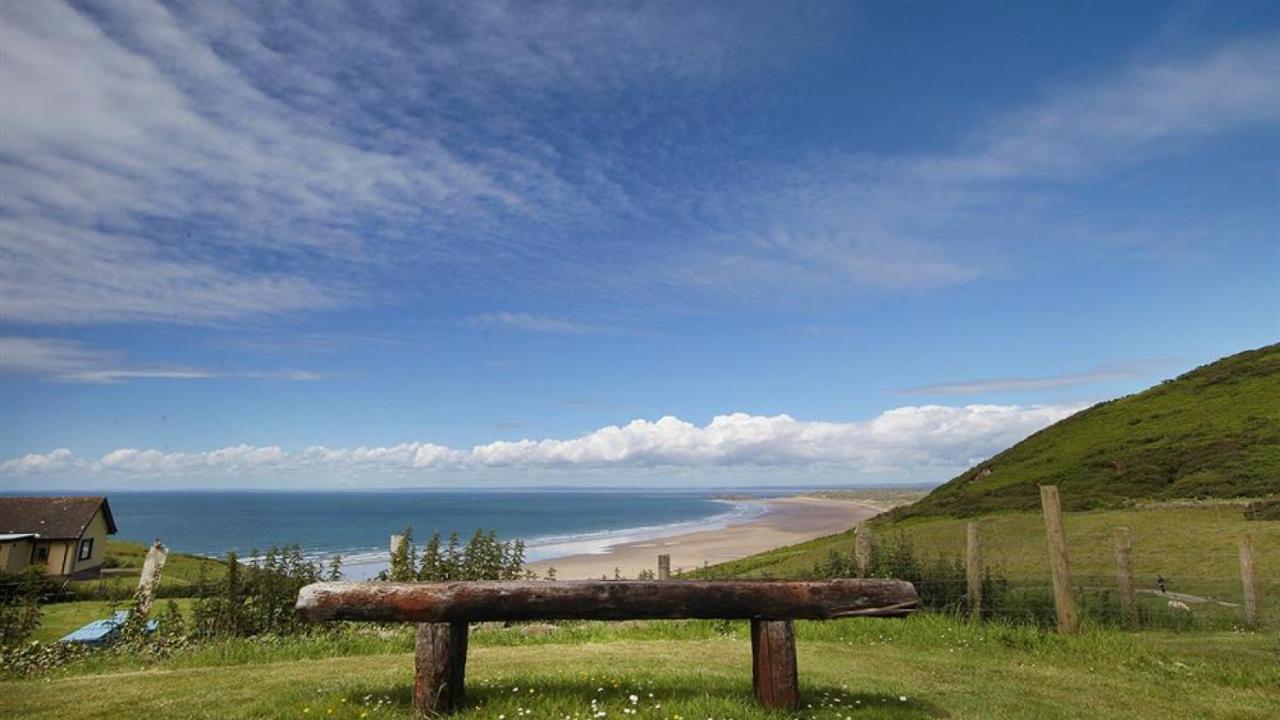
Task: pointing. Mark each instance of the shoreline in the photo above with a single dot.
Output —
(785, 521)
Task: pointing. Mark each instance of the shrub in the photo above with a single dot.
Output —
(258, 597)
(20, 595)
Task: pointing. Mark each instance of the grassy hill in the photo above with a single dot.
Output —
(1212, 432)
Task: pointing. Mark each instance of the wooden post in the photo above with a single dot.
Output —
(664, 567)
(973, 570)
(150, 577)
(863, 546)
(1124, 577)
(774, 674)
(439, 668)
(1249, 576)
(1068, 620)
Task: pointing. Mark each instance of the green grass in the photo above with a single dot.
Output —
(851, 668)
(181, 572)
(1193, 547)
(1212, 432)
(58, 619)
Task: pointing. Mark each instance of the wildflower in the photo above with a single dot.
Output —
(902, 698)
(633, 699)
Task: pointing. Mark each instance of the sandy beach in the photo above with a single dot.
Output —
(785, 521)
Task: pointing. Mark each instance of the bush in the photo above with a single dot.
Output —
(257, 598)
(1268, 509)
(20, 596)
(37, 658)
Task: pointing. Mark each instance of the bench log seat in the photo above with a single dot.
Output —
(443, 611)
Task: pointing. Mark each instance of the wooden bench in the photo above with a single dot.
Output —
(445, 609)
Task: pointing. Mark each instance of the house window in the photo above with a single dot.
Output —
(40, 555)
(86, 548)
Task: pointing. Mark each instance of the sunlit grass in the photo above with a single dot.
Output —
(694, 670)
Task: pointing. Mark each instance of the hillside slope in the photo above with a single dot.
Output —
(1212, 432)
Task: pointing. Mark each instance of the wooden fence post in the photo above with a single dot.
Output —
(774, 674)
(664, 567)
(1124, 576)
(973, 569)
(863, 547)
(439, 668)
(1249, 576)
(1063, 600)
(150, 578)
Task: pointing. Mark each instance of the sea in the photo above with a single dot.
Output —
(357, 525)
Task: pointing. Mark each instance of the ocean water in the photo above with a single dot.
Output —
(356, 525)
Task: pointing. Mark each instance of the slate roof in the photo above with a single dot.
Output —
(52, 518)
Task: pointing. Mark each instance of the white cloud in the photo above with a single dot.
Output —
(528, 322)
(921, 221)
(71, 361)
(213, 162)
(904, 442)
(200, 163)
(1105, 373)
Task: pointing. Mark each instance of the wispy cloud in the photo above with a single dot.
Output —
(70, 361)
(201, 163)
(919, 221)
(921, 440)
(986, 386)
(158, 157)
(528, 322)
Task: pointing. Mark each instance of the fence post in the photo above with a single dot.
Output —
(973, 570)
(1124, 576)
(1249, 576)
(863, 546)
(150, 577)
(664, 567)
(1068, 620)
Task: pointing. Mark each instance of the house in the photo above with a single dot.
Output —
(68, 535)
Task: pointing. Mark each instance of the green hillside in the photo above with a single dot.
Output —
(1212, 432)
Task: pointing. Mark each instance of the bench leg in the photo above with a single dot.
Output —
(440, 666)
(773, 664)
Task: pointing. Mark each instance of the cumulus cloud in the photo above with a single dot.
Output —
(903, 442)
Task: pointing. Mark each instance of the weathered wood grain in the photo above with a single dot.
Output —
(1063, 598)
(605, 600)
(774, 674)
(439, 668)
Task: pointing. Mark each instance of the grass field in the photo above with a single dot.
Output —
(58, 619)
(924, 667)
(181, 572)
(1193, 547)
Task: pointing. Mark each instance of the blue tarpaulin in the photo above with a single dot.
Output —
(101, 632)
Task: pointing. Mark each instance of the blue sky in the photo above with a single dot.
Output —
(312, 244)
